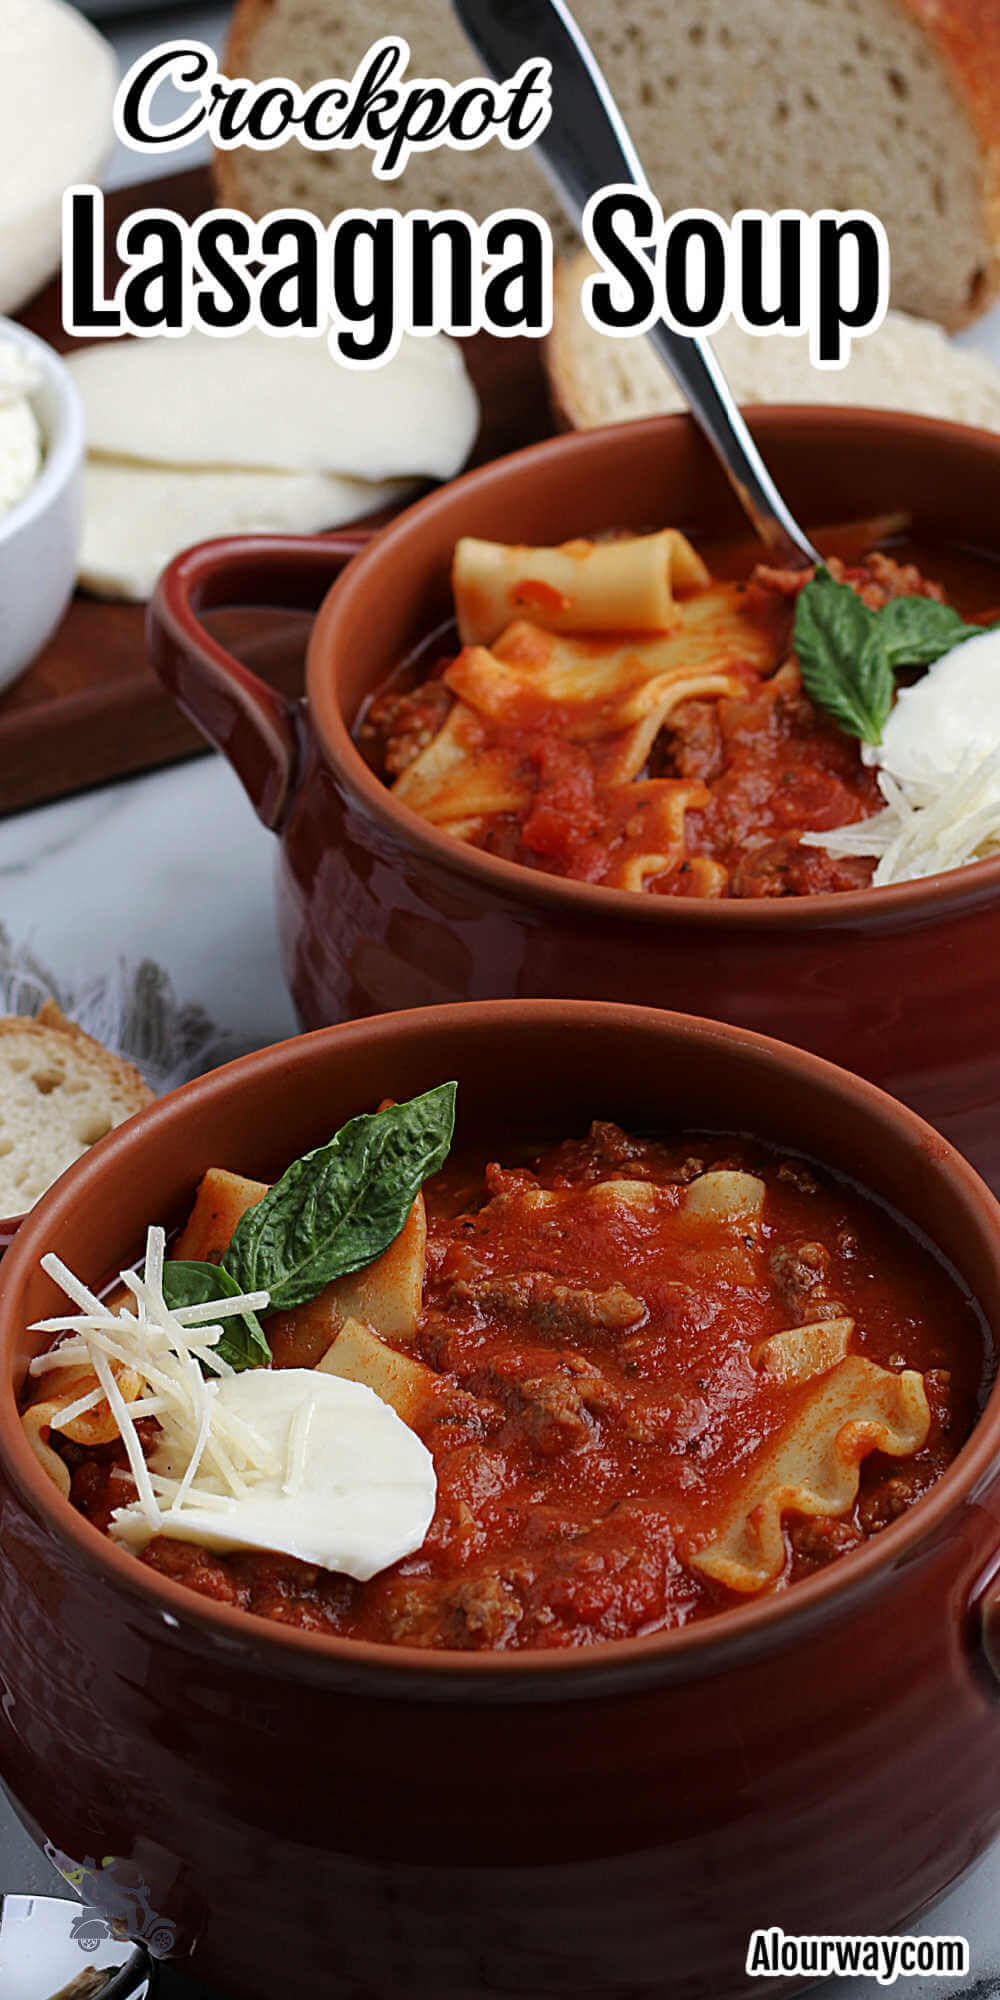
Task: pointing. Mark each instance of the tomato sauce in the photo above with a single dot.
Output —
(601, 1405)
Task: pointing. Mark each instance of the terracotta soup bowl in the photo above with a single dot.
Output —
(608, 1820)
(377, 910)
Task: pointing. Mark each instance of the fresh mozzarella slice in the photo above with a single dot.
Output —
(57, 85)
(287, 405)
(354, 1490)
(138, 517)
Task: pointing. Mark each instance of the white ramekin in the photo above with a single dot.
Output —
(40, 536)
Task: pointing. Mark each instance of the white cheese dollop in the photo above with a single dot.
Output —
(20, 435)
(353, 1488)
(952, 711)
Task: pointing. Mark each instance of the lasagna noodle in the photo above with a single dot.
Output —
(803, 1351)
(661, 803)
(638, 1195)
(704, 877)
(388, 1293)
(359, 1355)
(456, 782)
(727, 1195)
(813, 1466)
(669, 691)
(616, 586)
(604, 684)
(585, 690)
(416, 1392)
(61, 1388)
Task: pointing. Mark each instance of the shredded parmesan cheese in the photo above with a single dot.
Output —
(169, 1350)
(298, 1442)
(924, 830)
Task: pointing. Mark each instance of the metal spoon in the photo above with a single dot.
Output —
(586, 146)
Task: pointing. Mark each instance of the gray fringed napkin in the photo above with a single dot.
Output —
(133, 1010)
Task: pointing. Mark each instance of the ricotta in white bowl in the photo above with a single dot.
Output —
(21, 447)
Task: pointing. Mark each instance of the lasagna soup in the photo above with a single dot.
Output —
(647, 1380)
(627, 713)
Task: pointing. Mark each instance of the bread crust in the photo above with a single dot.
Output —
(965, 34)
(50, 1028)
(246, 18)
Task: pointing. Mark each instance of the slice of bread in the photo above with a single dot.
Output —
(907, 365)
(890, 105)
(60, 1092)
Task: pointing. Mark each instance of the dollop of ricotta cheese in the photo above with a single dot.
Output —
(20, 433)
(951, 713)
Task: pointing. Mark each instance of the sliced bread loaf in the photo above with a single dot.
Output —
(60, 1092)
(907, 365)
(891, 105)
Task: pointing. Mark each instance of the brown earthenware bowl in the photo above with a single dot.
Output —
(377, 910)
(334, 1818)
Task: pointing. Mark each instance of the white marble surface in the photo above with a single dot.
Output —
(175, 867)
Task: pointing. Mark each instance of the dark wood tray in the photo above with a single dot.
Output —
(91, 708)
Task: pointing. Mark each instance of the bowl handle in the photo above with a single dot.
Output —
(986, 1608)
(253, 725)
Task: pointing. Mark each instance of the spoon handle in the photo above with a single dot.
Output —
(587, 146)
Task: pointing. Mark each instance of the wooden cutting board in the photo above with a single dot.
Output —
(91, 708)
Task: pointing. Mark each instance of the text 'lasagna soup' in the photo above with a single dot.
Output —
(630, 1385)
(624, 712)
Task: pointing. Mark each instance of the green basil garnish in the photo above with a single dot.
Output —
(850, 655)
(915, 631)
(185, 1283)
(339, 1207)
(333, 1212)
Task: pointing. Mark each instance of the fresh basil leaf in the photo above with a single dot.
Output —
(185, 1283)
(850, 655)
(845, 664)
(339, 1207)
(916, 631)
